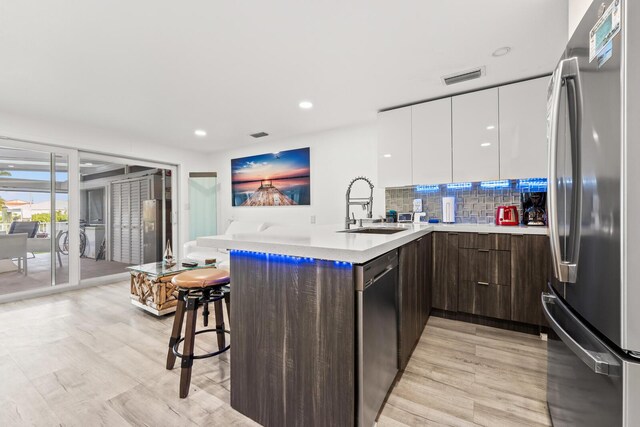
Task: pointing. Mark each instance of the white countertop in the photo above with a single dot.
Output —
(326, 242)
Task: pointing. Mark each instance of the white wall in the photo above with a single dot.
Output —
(577, 9)
(337, 156)
(98, 140)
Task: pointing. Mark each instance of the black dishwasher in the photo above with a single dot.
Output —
(376, 285)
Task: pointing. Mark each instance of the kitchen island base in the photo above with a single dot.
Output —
(293, 329)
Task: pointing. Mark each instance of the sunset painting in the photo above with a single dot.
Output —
(273, 179)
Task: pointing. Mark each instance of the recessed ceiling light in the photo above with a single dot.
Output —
(501, 51)
(200, 132)
(491, 127)
(305, 105)
(11, 166)
(387, 155)
(485, 144)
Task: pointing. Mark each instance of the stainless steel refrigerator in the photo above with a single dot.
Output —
(593, 305)
(152, 238)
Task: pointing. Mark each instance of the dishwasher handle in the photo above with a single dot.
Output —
(379, 276)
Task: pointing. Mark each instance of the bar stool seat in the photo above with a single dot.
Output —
(196, 287)
(201, 278)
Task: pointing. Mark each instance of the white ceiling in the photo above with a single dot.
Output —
(159, 69)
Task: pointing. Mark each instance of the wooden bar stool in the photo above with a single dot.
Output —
(195, 287)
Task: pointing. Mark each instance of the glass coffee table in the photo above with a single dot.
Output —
(151, 287)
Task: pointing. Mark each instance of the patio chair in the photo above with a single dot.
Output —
(14, 246)
(29, 227)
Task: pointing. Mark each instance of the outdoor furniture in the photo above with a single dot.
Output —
(14, 246)
(29, 227)
(42, 244)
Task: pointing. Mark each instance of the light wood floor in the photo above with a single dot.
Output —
(462, 374)
(90, 358)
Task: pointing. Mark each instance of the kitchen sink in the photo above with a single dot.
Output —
(375, 230)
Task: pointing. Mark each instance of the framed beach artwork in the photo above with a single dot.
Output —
(273, 179)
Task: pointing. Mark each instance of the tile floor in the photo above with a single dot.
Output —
(90, 358)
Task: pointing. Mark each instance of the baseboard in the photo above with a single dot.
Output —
(489, 321)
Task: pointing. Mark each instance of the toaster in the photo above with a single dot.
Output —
(507, 215)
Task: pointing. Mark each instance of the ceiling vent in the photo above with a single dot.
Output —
(463, 76)
(259, 135)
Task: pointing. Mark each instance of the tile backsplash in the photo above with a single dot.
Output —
(475, 202)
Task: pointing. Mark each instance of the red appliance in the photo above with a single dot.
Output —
(507, 215)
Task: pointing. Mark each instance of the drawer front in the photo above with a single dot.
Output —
(488, 300)
(483, 265)
(490, 241)
(500, 268)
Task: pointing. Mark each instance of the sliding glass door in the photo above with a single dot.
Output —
(126, 213)
(70, 217)
(34, 205)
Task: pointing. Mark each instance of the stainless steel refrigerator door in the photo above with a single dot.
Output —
(631, 189)
(584, 377)
(594, 122)
(559, 176)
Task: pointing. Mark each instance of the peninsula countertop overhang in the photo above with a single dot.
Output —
(329, 242)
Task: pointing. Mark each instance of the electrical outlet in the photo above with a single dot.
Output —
(313, 219)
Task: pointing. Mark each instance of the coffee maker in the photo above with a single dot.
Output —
(534, 208)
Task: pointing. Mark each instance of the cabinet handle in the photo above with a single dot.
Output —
(483, 283)
(483, 250)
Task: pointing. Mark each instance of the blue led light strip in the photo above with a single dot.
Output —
(504, 183)
(458, 185)
(427, 188)
(290, 258)
(533, 184)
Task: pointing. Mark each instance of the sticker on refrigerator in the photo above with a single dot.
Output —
(605, 30)
(606, 53)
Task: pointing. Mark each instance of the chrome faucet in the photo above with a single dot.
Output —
(366, 203)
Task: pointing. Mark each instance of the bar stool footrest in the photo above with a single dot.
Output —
(206, 355)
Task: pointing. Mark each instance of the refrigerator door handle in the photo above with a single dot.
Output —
(552, 171)
(567, 75)
(594, 360)
(574, 96)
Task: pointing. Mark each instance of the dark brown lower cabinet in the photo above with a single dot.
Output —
(425, 250)
(445, 271)
(485, 299)
(530, 263)
(407, 301)
(493, 275)
(414, 290)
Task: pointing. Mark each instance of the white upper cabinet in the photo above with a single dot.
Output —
(475, 136)
(394, 148)
(523, 127)
(431, 142)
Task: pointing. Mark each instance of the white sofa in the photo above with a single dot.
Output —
(192, 251)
